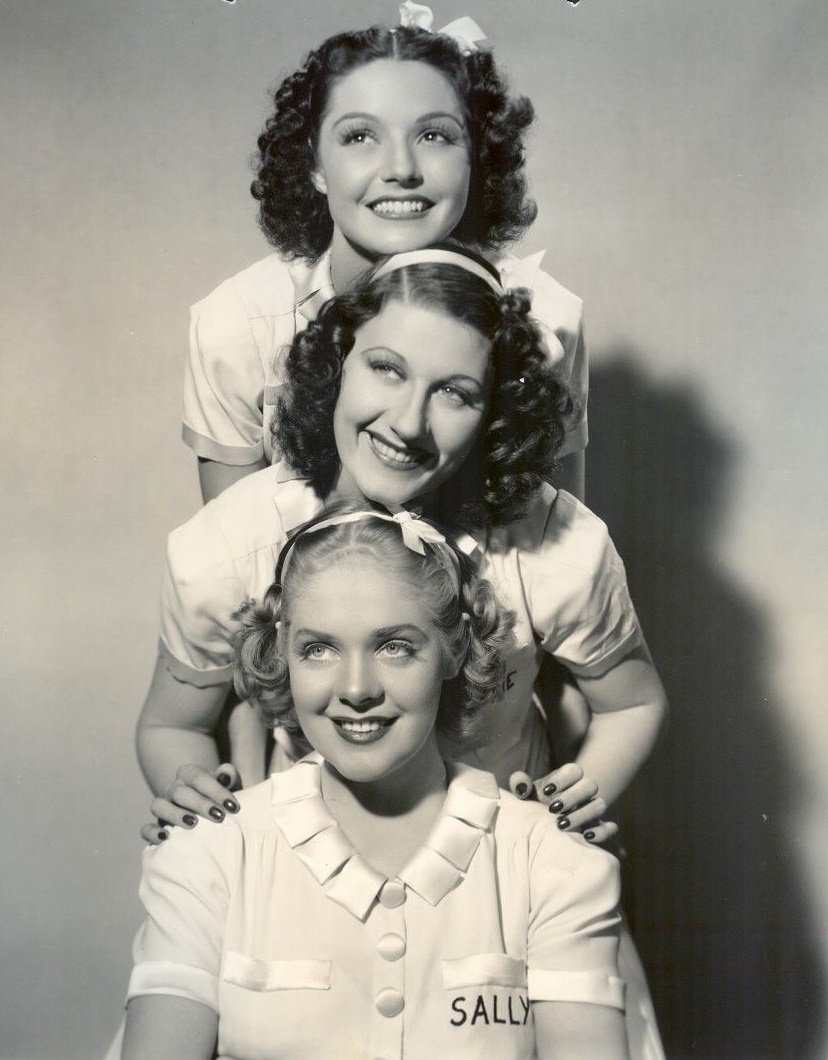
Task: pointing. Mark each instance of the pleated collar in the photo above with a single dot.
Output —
(438, 866)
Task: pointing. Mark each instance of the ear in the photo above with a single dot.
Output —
(318, 180)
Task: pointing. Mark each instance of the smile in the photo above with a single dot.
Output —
(366, 730)
(400, 208)
(396, 458)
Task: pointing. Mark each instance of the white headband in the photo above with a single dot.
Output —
(437, 256)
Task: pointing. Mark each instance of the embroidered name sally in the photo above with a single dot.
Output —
(510, 1010)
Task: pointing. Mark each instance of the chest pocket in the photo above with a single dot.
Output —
(251, 974)
(485, 969)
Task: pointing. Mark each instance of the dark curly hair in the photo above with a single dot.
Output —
(523, 428)
(294, 216)
(474, 629)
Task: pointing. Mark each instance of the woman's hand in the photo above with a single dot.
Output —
(194, 793)
(572, 797)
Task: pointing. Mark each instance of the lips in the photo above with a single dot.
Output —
(362, 730)
(398, 458)
(401, 209)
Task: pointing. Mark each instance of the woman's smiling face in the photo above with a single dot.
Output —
(367, 667)
(413, 397)
(392, 157)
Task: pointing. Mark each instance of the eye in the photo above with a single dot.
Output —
(386, 370)
(396, 650)
(316, 652)
(458, 396)
(356, 134)
(441, 134)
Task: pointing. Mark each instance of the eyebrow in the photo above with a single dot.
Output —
(453, 378)
(431, 116)
(378, 634)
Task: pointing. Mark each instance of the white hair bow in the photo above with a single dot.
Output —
(465, 31)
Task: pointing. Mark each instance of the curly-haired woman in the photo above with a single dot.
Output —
(384, 140)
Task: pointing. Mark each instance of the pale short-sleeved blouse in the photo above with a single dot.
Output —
(307, 953)
(556, 568)
(239, 330)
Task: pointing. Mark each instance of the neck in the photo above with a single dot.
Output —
(402, 792)
(348, 261)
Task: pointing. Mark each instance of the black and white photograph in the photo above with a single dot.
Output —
(414, 504)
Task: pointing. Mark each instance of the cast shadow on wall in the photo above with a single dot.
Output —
(719, 917)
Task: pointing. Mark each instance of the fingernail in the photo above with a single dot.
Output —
(162, 835)
(550, 789)
(556, 806)
(589, 835)
(224, 780)
(563, 822)
(216, 813)
(231, 806)
(189, 820)
(521, 790)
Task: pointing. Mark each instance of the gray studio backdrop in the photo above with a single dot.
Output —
(680, 166)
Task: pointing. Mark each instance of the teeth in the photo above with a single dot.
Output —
(361, 726)
(393, 455)
(397, 207)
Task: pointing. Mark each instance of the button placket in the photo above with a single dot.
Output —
(390, 944)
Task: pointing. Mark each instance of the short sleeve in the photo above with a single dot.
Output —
(200, 593)
(223, 381)
(576, 591)
(185, 887)
(574, 921)
(560, 316)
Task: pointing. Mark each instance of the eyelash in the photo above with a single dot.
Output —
(352, 134)
(407, 652)
(457, 395)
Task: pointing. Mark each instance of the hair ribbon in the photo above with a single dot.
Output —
(464, 31)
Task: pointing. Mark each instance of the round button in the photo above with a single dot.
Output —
(389, 1002)
(391, 947)
(392, 894)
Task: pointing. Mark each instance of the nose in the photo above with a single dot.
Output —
(401, 165)
(410, 417)
(358, 687)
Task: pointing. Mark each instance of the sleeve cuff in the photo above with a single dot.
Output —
(190, 675)
(576, 439)
(594, 988)
(598, 668)
(180, 980)
(235, 455)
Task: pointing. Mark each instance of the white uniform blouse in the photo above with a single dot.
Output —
(239, 330)
(307, 953)
(556, 568)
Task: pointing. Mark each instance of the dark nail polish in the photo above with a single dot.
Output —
(521, 790)
(563, 823)
(189, 820)
(550, 789)
(224, 780)
(162, 835)
(216, 813)
(589, 835)
(556, 806)
(231, 805)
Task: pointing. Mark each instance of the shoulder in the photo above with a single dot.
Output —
(556, 523)
(254, 514)
(528, 825)
(552, 304)
(265, 288)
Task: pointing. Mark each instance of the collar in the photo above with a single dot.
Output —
(299, 810)
(519, 272)
(312, 284)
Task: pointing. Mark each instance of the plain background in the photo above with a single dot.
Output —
(679, 162)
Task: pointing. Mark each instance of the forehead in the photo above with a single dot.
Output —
(429, 340)
(393, 89)
(355, 596)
